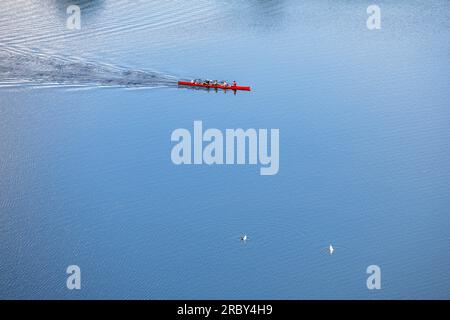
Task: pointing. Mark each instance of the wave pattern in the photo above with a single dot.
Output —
(22, 68)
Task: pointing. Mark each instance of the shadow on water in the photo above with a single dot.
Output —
(84, 4)
(89, 8)
(209, 90)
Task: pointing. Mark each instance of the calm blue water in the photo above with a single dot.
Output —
(86, 176)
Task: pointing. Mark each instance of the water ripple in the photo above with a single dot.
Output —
(21, 67)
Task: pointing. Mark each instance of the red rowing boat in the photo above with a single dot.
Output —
(213, 86)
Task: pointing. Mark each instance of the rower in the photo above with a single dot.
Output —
(234, 84)
(225, 84)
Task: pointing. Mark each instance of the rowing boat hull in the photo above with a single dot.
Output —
(213, 86)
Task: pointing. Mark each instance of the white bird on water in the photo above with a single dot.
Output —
(331, 249)
(244, 237)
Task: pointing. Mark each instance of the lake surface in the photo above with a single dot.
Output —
(86, 176)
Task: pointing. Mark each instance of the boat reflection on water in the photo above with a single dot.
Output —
(216, 90)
